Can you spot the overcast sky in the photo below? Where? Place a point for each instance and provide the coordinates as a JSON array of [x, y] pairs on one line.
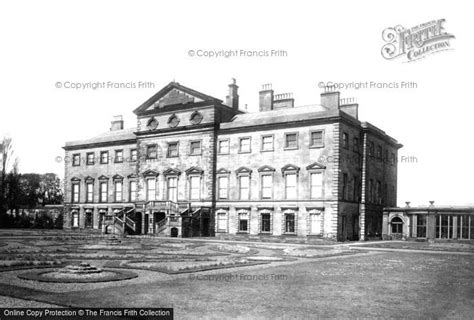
[[50, 42]]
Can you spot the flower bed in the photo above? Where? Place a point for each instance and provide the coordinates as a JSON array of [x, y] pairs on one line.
[[56, 275]]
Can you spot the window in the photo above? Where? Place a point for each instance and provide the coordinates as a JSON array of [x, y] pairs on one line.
[[223, 147], [356, 144], [90, 158], [118, 191], [316, 185], [267, 186], [392, 158], [371, 191], [315, 222], [75, 192], [316, 139], [89, 192], [196, 117], [267, 143], [133, 191], [173, 121], [151, 151], [463, 227], [265, 222], [195, 147], [397, 226], [244, 145], [290, 186], [289, 223], [150, 189], [221, 222], [194, 188], [75, 219], [173, 189], [172, 149], [223, 185], [378, 192], [104, 157], [88, 218], [244, 187], [344, 186], [76, 159], [345, 140], [371, 149], [355, 188], [385, 156], [243, 222], [152, 123], [103, 191], [118, 156], [133, 155], [421, 226], [291, 141], [379, 152]]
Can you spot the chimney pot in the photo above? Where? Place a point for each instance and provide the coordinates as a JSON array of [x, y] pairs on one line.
[[232, 100], [117, 123]]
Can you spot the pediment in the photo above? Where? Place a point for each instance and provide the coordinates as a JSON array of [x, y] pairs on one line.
[[174, 94], [117, 177], [315, 166], [290, 167], [150, 172], [266, 169], [89, 179], [75, 179], [222, 171], [102, 177], [243, 170], [194, 170], [172, 172]]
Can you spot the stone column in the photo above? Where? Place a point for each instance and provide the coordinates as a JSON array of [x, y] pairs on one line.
[[431, 226]]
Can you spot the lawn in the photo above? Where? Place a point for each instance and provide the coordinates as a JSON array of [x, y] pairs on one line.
[[295, 282]]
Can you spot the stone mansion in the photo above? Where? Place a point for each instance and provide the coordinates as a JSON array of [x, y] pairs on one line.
[[195, 165]]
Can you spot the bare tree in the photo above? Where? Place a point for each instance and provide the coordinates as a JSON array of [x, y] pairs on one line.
[[6, 155]]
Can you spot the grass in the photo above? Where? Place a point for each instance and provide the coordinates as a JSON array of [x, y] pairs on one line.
[[372, 285], [382, 285]]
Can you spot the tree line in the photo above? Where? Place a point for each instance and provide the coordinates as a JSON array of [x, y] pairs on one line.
[[20, 191]]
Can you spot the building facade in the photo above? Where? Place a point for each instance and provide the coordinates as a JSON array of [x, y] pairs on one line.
[[196, 166], [429, 222]]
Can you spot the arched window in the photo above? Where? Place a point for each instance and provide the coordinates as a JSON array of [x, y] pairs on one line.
[[397, 225]]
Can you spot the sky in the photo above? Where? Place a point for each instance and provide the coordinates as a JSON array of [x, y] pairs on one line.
[[54, 53]]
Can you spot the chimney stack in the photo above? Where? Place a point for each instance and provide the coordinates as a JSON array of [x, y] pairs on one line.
[[330, 98], [266, 98], [232, 100], [117, 123]]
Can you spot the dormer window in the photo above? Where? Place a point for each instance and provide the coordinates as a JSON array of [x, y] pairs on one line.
[[152, 124]]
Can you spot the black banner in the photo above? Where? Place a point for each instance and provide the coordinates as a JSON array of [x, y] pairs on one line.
[[86, 313]]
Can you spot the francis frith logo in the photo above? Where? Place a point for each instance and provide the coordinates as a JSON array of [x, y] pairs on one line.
[[411, 44]]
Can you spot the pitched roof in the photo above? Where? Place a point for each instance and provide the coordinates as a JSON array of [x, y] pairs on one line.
[[106, 137], [279, 116]]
